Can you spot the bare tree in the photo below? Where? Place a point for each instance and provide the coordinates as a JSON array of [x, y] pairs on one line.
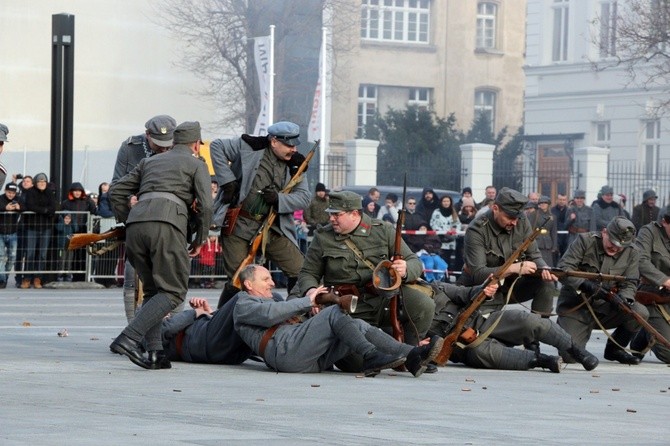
[[218, 37], [635, 35]]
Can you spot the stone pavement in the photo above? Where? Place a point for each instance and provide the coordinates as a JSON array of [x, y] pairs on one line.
[[71, 390]]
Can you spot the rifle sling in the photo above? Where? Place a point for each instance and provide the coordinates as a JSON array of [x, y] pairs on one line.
[[664, 312], [350, 243]]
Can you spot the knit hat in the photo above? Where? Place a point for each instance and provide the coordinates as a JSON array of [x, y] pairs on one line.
[[320, 187]]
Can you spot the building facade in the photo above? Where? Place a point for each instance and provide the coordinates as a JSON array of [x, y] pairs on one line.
[[570, 107], [462, 57]]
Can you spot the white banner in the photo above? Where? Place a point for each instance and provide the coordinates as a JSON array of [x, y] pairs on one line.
[[314, 129], [262, 60]]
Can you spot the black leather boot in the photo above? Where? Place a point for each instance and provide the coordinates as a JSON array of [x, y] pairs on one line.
[[552, 363], [615, 353], [123, 345], [419, 358], [378, 361], [586, 359], [159, 360]]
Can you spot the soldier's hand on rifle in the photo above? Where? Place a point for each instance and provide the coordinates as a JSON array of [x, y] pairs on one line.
[[270, 196], [400, 265], [228, 192], [312, 293], [589, 287], [194, 249]]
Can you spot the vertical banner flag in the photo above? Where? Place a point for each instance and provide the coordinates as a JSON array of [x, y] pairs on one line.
[[314, 129], [262, 60]]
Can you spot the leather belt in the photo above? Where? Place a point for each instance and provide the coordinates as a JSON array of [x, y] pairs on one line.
[[255, 217], [179, 342], [573, 230], [266, 338], [167, 195]]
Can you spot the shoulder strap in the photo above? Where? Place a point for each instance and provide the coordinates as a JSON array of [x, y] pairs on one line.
[[350, 243]]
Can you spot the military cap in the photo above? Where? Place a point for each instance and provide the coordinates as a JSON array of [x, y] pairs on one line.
[[511, 202], [579, 194], [12, 187], [286, 132], [4, 131], [621, 232], [544, 199], [161, 130], [344, 201], [187, 132], [649, 194], [606, 190]]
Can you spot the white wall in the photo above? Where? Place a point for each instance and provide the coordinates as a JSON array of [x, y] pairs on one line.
[[124, 74]]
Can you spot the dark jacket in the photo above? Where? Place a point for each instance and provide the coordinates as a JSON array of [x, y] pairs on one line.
[[79, 207], [9, 220], [43, 203]]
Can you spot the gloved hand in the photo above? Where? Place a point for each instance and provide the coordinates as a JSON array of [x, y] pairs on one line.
[[270, 196], [589, 287], [294, 163], [229, 190]]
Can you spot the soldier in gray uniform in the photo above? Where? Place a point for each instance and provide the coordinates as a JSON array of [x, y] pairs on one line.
[[156, 139], [491, 239], [251, 170], [653, 244], [170, 187], [331, 259], [546, 243], [509, 328], [579, 216], [204, 336], [608, 252], [265, 322], [605, 209]]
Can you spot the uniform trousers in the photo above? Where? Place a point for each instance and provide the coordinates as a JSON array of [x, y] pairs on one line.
[[658, 321], [158, 252]]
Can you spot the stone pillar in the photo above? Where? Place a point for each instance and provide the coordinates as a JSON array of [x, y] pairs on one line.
[[361, 162], [591, 165], [477, 168]]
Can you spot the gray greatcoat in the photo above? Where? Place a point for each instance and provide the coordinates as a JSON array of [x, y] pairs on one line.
[[235, 160], [132, 151], [653, 244], [581, 223]]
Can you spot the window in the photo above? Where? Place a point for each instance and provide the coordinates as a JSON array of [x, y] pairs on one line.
[[395, 20], [602, 134], [559, 51], [651, 144], [486, 25], [367, 107], [485, 103], [419, 97], [608, 23]]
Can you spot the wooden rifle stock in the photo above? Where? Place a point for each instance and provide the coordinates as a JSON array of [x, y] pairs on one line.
[[646, 297], [269, 220], [396, 326], [76, 241], [624, 306], [462, 318]]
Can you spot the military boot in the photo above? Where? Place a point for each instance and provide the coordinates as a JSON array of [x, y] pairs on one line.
[[378, 361], [586, 359], [159, 360], [615, 353], [419, 358], [640, 343], [552, 363]]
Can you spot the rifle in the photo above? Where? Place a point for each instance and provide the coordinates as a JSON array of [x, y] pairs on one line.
[[394, 310], [649, 296], [457, 329], [76, 241], [598, 277], [625, 306], [269, 220]]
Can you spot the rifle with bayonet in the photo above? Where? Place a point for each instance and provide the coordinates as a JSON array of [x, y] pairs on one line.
[[255, 243], [458, 326]]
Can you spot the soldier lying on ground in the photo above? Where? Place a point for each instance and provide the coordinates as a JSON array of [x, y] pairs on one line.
[[262, 320]]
